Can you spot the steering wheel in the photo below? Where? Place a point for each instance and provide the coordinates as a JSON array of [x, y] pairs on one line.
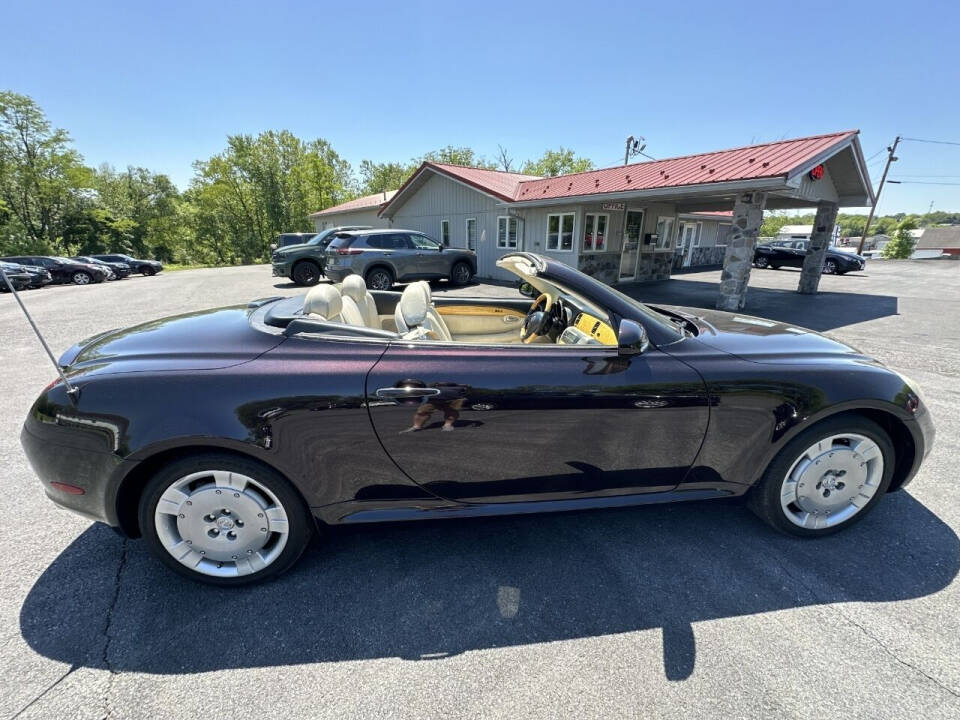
[[537, 320]]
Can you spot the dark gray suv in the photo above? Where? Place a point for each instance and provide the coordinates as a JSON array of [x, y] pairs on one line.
[[385, 257]]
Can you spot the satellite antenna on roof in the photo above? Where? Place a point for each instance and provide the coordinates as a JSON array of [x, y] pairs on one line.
[[635, 146], [71, 389]]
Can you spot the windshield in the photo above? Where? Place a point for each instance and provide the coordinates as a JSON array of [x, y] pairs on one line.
[[318, 239]]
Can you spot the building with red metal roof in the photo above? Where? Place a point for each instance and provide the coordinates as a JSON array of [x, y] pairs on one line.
[[630, 222]]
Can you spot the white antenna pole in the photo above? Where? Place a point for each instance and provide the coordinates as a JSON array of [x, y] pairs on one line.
[[71, 389]]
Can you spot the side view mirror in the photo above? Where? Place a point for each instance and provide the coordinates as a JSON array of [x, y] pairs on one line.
[[632, 338], [527, 289]]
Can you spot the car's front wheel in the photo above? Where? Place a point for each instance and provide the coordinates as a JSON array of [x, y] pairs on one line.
[[81, 278], [223, 519], [306, 272], [762, 262], [148, 271], [826, 478], [830, 267]]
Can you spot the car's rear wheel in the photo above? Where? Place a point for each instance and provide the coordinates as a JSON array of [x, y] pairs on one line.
[[81, 278], [830, 267], [827, 478], [379, 278], [306, 272], [762, 262], [224, 520], [461, 273]]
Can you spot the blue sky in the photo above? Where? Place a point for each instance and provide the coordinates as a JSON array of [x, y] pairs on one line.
[[162, 84]]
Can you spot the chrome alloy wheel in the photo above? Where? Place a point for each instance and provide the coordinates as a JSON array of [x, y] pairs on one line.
[[832, 481], [221, 523]]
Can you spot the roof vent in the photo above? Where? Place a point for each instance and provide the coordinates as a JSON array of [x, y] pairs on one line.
[[710, 171], [596, 182], [570, 186], [766, 164], [666, 177], [628, 178], [752, 160], [703, 167]]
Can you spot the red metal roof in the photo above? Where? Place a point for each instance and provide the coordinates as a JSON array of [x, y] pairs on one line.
[[360, 203], [747, 163], [496, 182]]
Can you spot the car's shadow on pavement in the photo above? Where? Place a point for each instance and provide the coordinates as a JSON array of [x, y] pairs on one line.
[[430, 590]]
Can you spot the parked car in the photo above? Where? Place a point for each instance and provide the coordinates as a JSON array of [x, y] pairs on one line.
[[17, 276], [64, 270], [118, 270], [304, 263], [292, 238], [791, 253], [385, 257], [144, 267], [39, 277], [222, 436]]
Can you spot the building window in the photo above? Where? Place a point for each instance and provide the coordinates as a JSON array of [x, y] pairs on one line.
[[664, 233], [595, 232], [507, 232], [560, 232], [471, 234], [445, 232]]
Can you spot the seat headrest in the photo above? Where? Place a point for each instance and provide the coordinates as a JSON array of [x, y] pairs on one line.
[[323, 300], [415, 302], [354, 287]]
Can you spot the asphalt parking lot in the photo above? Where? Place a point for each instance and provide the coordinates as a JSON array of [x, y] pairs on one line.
[[670, 611]]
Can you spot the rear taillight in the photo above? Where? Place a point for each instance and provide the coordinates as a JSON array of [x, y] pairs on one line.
[[348, 251]]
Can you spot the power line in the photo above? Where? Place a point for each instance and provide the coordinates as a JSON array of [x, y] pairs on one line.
[[920, 182], [909, 175], [875, 154], [935, 142]]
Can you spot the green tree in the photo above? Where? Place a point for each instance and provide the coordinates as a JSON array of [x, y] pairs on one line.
[[383, 177], [557, 162], [41, 176], [451, 155], [901, 244], [261, 186]]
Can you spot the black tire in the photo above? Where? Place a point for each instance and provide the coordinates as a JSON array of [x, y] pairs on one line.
[[379, 278], [148, 271], [81, 278], [764, 497], [830, 267], [301, 524], [305, 272], [762, 262], [774, 267], [460, 273]]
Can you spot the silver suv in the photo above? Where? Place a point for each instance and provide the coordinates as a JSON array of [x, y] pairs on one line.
[[385, 257]]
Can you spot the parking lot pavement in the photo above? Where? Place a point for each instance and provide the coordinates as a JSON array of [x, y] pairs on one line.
[[670, 611]]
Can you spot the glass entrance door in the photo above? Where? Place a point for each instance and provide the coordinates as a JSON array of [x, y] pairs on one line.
[[630, 251]]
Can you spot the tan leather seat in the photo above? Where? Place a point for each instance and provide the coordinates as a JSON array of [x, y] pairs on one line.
[[324, 301], [359, 307], [417, 318]]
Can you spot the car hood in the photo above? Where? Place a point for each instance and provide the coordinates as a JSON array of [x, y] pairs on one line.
[[297, 247], [202, 340], [766, 341]]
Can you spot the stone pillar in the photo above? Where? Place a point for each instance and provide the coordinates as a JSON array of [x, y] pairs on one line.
[[817, 249], [738, 260]]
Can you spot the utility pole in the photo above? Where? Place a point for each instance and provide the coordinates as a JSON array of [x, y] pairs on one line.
[[890, 159], [631, 143]]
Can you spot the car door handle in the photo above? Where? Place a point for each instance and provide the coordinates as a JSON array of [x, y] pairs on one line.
[[406, 392]]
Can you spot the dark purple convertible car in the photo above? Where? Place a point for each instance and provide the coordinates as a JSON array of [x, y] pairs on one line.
[[223, 437]]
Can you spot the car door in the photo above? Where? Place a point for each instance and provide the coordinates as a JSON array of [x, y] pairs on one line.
[[430, 260], [538, 421]]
